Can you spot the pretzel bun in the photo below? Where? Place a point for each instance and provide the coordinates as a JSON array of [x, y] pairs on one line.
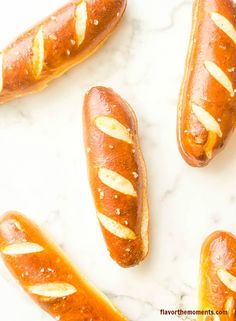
[[206, 111], [56, 44], [217, 291], [47, 276], [117, 175]]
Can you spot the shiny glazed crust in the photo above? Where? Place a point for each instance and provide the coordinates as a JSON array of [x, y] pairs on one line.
[[206, 111], [217, 291], [55, 45], [117, 174], [48, 276]]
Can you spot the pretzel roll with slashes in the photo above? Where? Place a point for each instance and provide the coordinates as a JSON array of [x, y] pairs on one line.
[[217, 291], [48, 276], [117, 175], [56, 44], [207, 104]]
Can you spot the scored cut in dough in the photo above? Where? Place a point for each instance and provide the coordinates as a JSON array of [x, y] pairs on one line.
[[38, 53], [116, 228], [227, 279], [116, 182], [113, 128], [81, 21], [219, 75], [207, 120], [22, 248], [53, 290], [224, 24]]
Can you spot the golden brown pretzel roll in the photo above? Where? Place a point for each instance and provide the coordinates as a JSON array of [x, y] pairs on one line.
[[207, 104], [48, 276], [56, 44], [117, 175], [217, 291]]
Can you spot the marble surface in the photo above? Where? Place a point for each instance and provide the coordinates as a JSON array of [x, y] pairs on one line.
[[43, 171]]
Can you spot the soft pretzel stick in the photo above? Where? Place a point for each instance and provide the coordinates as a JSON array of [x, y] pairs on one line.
[[217, 291], [48, 276], [117, 175], [207, 104], [56, 44]]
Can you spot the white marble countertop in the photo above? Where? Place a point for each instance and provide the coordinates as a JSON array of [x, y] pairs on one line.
[[43, 170]]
